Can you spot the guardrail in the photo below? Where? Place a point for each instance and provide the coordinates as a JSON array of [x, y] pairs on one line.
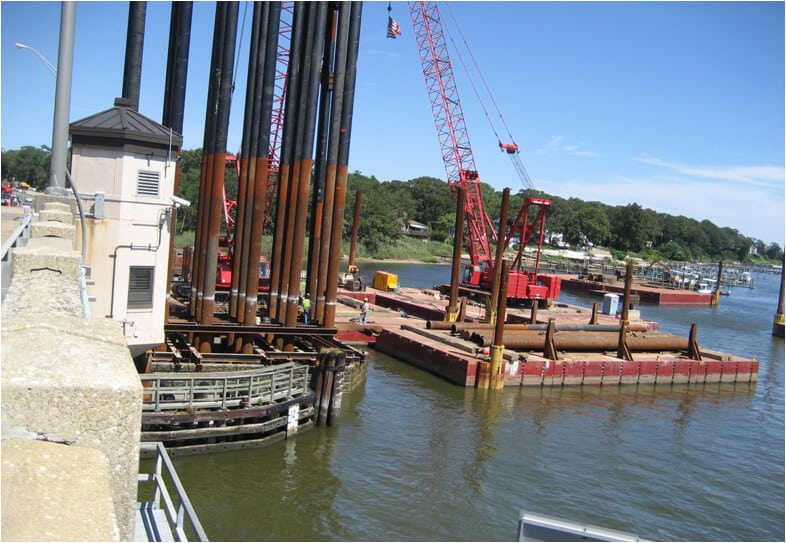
[[20, 231], [223, 390], [177, 518]]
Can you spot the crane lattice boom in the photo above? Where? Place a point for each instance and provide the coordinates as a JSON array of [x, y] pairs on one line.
[[451, 128]]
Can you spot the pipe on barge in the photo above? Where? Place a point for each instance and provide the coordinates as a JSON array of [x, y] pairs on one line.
[[583, 368], [584, 341]]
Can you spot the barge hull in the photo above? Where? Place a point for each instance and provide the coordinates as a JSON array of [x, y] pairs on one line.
[[575, 369]]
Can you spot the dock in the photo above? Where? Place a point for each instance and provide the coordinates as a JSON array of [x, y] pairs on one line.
[[408, 326]]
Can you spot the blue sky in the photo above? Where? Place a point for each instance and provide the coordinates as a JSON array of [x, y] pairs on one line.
[[676, 106]]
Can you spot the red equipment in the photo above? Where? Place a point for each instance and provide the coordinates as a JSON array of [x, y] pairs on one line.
[[224, 267], [461, 172]]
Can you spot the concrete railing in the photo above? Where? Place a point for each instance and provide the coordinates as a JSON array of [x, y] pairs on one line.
[[71, 400]]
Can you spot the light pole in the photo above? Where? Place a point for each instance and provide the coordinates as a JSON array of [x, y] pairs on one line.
[[57, 165], [40, 56]]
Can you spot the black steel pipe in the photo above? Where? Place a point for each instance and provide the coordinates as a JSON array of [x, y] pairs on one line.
[[331, 159], [237, 289], [197, 291], [310, 81], [501, 244], [279, 272], [320, 163], [177, 65], [135, 41], [260, 180], [215, 202], [455, 270], [345, 132]]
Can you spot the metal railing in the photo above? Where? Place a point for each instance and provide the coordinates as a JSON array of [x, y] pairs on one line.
[[19, 237], [177, 514], [223, 390]]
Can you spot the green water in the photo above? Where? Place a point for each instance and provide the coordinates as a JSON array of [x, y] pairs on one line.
[[417, 459]]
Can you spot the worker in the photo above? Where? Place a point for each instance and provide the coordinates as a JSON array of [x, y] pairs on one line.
[[307, 308], [364, 311]]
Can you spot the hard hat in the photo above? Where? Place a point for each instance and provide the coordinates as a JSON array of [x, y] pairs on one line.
[[365, 299], [308, 295]]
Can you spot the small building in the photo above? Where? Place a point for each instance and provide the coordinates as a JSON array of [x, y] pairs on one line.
[[416, 229], [123, 165]]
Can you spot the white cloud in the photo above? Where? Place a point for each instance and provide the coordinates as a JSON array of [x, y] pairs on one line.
[[763, 176], [752, 211]]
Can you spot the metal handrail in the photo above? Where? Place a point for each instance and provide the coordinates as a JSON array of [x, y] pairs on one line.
[[18, 232], [223, 390], [177, 508]]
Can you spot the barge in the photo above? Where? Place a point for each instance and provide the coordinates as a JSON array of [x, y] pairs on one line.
[[583, 347]]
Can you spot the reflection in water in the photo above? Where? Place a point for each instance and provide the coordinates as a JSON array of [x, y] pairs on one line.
[[416, 458]]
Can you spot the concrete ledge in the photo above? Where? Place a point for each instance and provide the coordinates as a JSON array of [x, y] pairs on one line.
[[45, 292], [47, 253], [59, 206], [55, 214], [75, 378], [52, 229], [55, 492]]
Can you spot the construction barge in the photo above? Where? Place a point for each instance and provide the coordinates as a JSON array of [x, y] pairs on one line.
[[564, 345]]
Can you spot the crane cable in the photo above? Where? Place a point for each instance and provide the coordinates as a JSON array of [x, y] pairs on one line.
[[512, 149], [480, 74]]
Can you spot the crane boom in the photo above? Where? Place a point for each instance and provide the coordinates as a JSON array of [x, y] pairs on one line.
[[461, 171], [451, 128]]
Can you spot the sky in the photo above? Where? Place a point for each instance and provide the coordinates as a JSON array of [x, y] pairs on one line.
[[675, 106]]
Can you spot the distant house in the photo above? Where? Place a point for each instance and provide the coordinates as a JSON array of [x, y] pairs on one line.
[[416, 229]]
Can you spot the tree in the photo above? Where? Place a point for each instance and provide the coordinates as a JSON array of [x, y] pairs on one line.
[[432, 199], [190, 172], [28, 164], [774, 251], [594, 224], [633, 227]]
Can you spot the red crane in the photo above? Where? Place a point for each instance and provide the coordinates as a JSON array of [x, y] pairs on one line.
[[461, 171]]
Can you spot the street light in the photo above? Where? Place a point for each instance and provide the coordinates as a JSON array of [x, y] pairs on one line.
[[40, 56]]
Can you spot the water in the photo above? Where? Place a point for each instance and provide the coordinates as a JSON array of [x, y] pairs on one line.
[[418, 459]]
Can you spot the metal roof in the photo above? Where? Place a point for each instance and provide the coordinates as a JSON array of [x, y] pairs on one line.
[[123, 124]]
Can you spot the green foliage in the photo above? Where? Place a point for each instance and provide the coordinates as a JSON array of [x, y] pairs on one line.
[[387, 206], [28, 164]]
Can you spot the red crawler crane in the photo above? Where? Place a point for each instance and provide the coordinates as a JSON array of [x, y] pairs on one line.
[[461, 172]]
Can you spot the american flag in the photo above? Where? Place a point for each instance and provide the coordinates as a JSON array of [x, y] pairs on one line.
[[393, 28]]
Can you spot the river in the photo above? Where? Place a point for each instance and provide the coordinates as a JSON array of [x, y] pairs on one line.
[[418, 459]]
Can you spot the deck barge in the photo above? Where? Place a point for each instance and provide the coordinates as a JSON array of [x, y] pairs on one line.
[[399, 325], [645, 293]]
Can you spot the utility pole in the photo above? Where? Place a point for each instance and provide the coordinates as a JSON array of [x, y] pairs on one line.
[[65, 58]]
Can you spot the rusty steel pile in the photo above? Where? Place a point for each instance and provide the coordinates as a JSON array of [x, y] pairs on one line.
[[320, 87]]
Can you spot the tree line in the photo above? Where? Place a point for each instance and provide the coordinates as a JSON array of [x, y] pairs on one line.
[[388, 205]]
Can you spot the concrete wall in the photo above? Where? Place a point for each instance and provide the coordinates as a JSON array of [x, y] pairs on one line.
[[71, 401]]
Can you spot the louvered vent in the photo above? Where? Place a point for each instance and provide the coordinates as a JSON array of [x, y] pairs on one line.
[[147, 183]]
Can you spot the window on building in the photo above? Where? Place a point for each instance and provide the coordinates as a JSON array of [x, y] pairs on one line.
[[147, 183], [140, 287]]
